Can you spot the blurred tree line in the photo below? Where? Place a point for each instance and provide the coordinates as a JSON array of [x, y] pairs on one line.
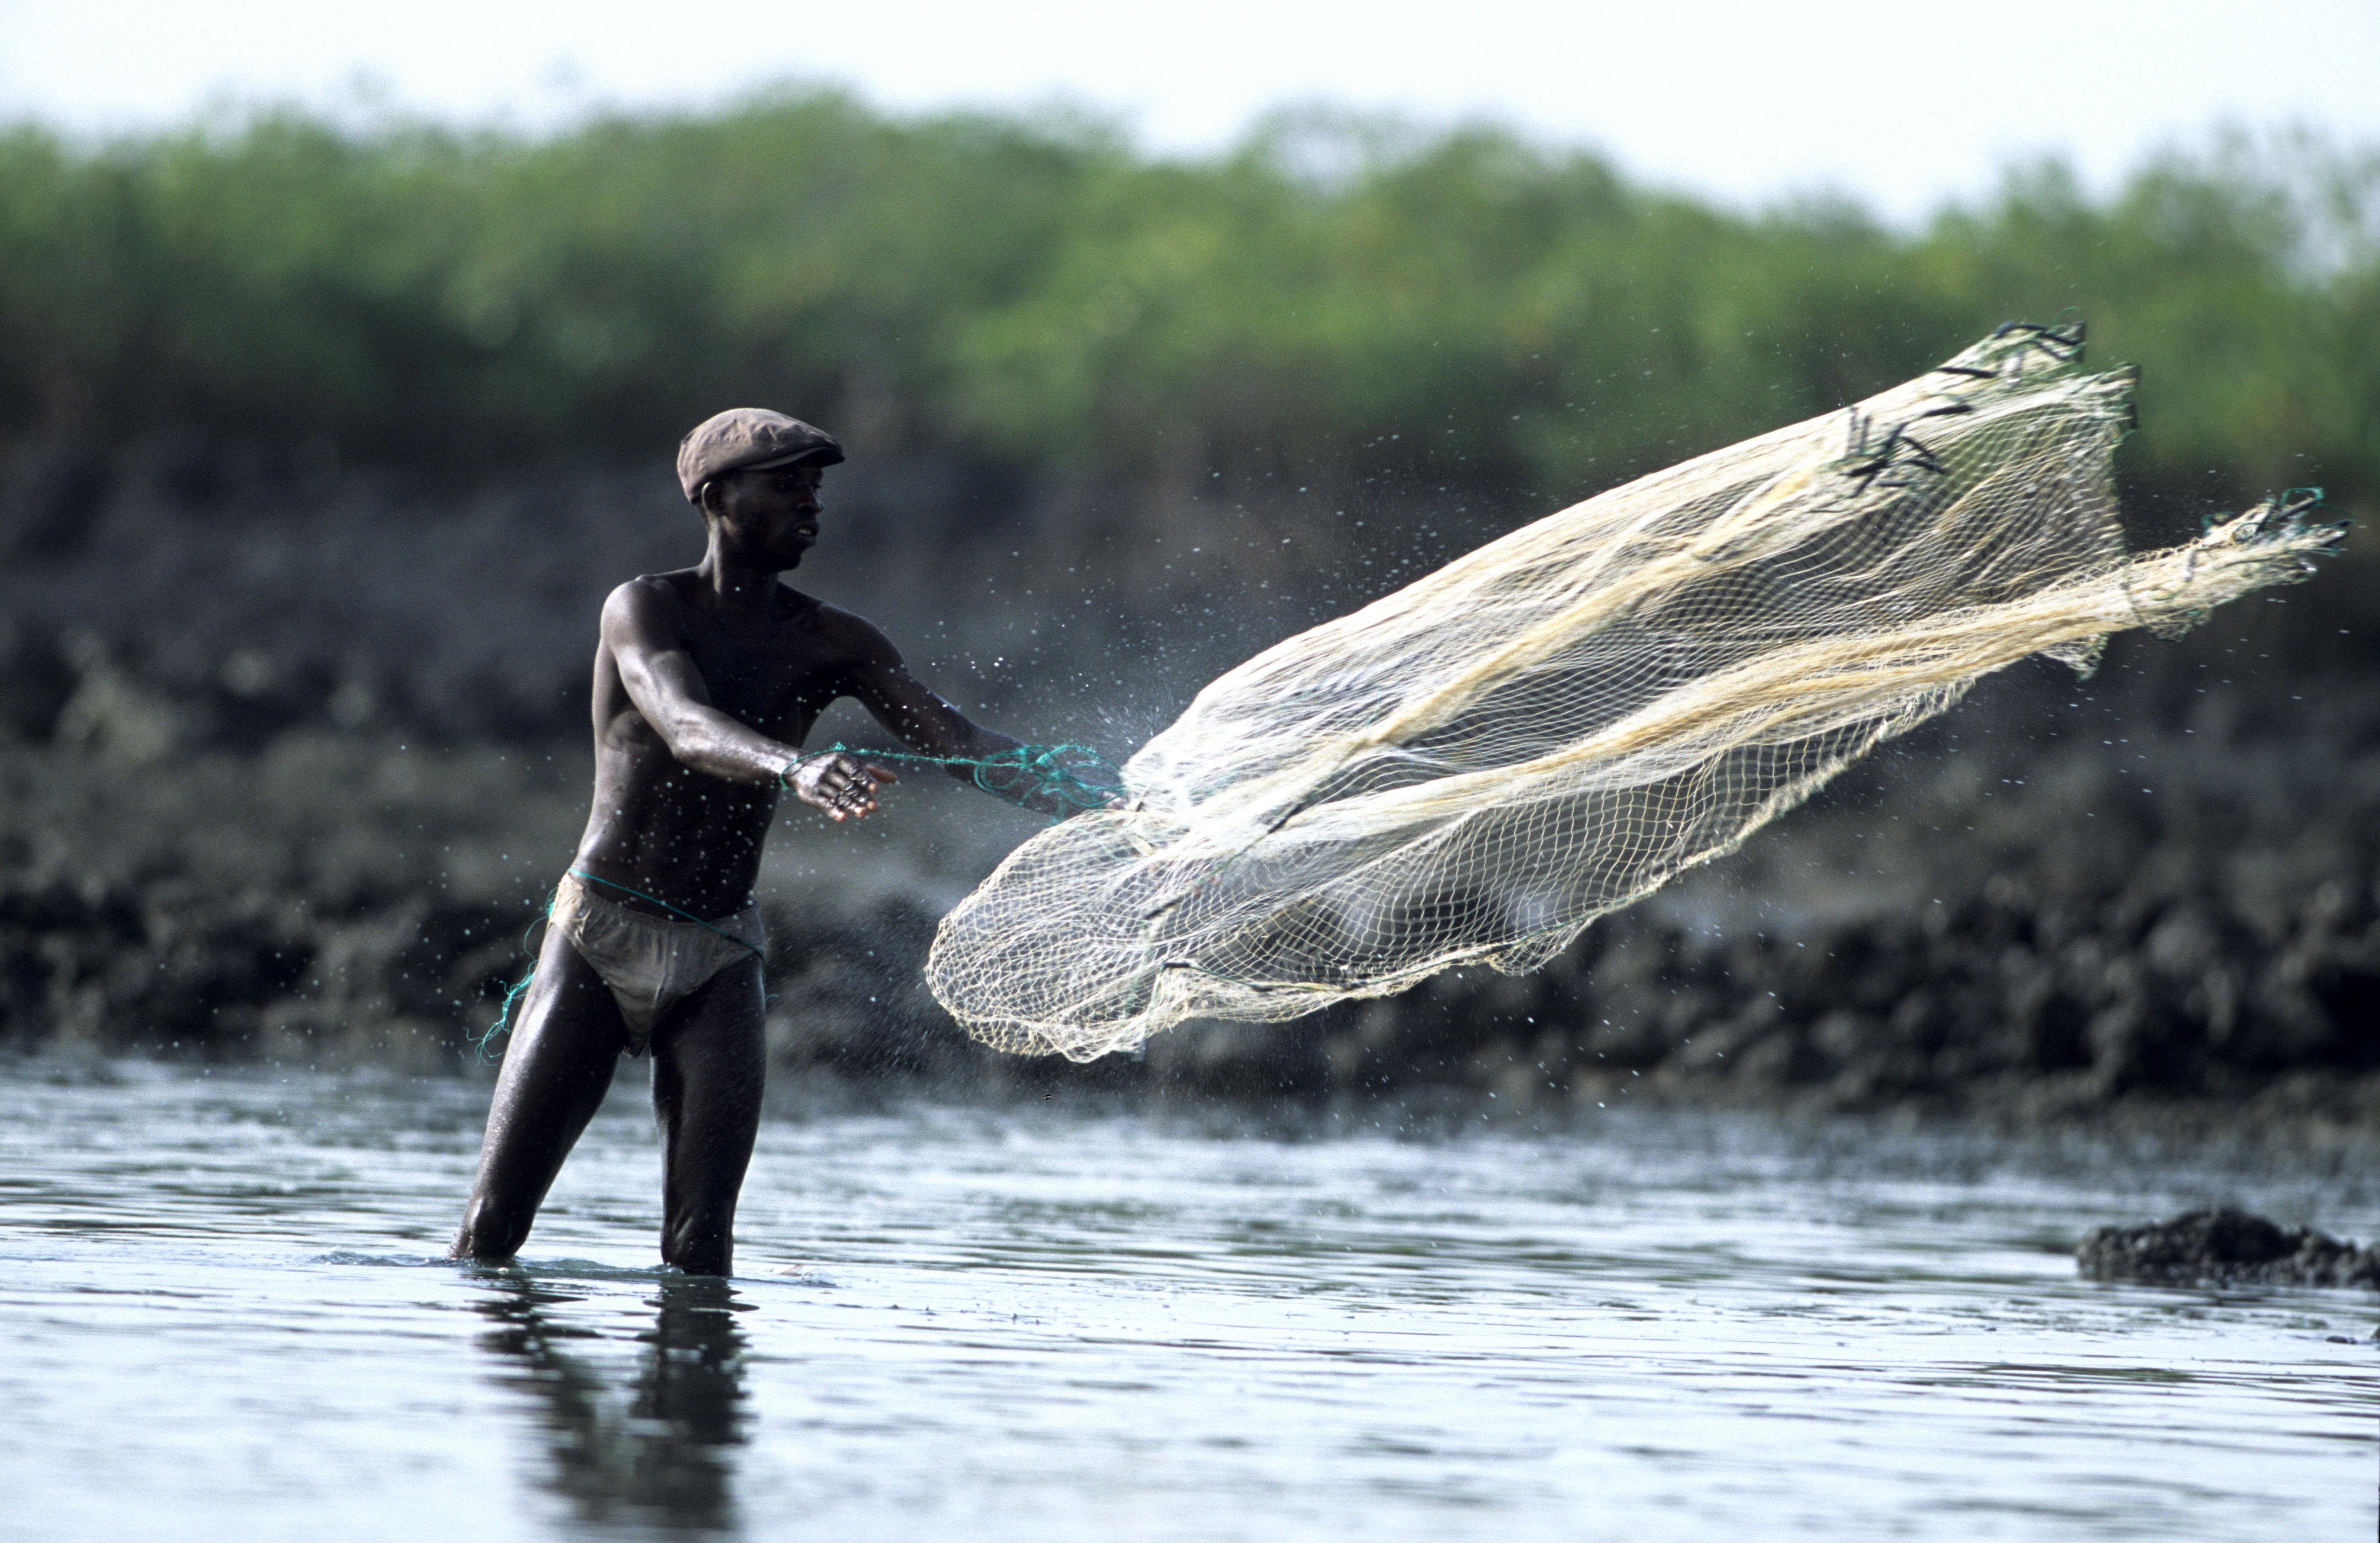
[[1335, 301]]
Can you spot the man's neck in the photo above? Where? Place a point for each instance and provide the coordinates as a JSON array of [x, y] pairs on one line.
[[732, 587]]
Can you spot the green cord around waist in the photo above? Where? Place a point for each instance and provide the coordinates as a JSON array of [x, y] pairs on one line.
[[652, 900], [513, 994]]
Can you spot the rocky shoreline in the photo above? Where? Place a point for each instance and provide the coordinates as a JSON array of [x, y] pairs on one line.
[[2004, 926], [311, 818]]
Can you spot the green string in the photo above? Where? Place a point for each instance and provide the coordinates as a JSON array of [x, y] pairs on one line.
[[481, 1042], [1057, 768], [687, 915]]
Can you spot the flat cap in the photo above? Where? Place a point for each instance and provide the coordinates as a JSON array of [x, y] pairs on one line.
[[745, 439]]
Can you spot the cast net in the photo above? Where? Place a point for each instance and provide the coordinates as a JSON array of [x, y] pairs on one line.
[[1475, 767]]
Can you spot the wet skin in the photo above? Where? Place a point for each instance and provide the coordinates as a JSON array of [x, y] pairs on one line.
[[706, 681]]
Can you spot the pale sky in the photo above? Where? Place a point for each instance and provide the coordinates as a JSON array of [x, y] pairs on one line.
[[1899, 103]]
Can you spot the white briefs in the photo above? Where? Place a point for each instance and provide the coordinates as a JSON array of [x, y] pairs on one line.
[[652, 963]]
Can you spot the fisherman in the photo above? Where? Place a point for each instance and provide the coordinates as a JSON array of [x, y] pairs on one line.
[[707, 680]]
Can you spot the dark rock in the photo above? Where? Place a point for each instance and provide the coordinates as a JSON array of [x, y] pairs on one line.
[[2225, 1247], [35, 682], [49, 497]]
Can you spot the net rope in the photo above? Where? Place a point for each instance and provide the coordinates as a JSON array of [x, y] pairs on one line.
[[1472, 769], [1060, 778]]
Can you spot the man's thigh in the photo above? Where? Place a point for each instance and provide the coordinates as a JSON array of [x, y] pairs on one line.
[[713, 1047], [710, 1062], [558, 1064]]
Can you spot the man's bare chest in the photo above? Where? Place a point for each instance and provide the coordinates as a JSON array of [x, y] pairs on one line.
[[766, 678]]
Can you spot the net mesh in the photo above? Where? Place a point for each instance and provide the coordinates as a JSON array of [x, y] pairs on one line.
[[1475, 767]]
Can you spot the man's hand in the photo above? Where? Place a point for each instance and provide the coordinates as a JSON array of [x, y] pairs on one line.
[[844, 786]]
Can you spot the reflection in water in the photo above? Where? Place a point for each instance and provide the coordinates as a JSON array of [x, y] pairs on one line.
[[665, 1458], [1017, 1327]]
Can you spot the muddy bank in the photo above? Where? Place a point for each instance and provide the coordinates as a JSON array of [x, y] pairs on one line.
[[2034, 925]]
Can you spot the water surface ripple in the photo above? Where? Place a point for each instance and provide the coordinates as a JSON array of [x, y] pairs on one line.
[[224, 1315]]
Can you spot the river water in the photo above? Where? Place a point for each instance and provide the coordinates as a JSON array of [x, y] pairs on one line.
[[222, 1315]]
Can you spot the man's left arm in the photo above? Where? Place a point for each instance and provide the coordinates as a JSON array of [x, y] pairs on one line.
[[929, 726]]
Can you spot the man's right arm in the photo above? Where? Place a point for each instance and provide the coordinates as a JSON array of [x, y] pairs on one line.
[[640, 629]]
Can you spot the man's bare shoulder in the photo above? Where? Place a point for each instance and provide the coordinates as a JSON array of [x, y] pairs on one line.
[[846, 632], [646, 607]]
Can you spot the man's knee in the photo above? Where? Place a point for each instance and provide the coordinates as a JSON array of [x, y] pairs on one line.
[[701, 1243], [494, 1230]]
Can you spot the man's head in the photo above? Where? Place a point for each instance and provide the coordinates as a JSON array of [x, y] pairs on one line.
[[754, 473], [748, 438], [767, 516]]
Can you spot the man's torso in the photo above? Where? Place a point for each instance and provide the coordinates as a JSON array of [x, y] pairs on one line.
[[693, 838]]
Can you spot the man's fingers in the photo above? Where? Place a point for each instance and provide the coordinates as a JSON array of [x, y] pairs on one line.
[[843, 787], [847, 771]]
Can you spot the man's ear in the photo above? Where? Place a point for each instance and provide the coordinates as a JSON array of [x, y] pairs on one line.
[[707, 499]]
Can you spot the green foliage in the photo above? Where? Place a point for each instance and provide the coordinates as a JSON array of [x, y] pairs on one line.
[[1331, 302]]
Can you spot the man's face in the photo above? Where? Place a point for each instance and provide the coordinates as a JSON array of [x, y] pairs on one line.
[[769, 518]]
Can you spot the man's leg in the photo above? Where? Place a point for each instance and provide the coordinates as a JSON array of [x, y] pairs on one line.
[[709, 1058], [564, 1046]]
